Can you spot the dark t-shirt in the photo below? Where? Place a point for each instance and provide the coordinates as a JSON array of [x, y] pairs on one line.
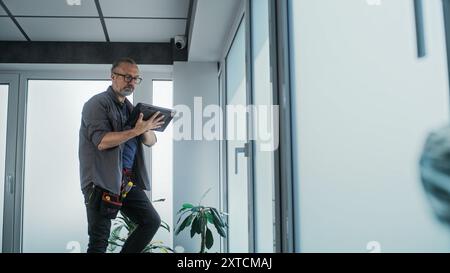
[[129, 150]]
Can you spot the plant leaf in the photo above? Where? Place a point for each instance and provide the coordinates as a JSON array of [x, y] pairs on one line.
[[199, 223], [203, 222], [165, 249], [209, 217], [121, 220], [165, 226], [114, 243], [217, 217], [114, 237], [185, 223], [182, 209], [209, 239], [181, 216], [194, 227], [128, 223], [147, 249], [219, 225], [187, 205], [116, 231], [221, 231], [197, 208]]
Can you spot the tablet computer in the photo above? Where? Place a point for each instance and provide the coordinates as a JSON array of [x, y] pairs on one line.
[[148, 111]]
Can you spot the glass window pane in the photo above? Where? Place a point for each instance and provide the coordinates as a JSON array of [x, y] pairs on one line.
[[3, 120], [162, 163], [236, 134], [54, 213], [363, 104], [264, 133]]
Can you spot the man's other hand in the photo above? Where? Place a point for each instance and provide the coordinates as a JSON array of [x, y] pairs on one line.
[[155, 121]]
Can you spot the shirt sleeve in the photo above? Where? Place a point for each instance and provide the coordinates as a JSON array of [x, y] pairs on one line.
[[141, 139], [96, 120]]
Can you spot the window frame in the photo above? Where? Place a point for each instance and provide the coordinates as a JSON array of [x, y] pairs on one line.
[[55, 72]]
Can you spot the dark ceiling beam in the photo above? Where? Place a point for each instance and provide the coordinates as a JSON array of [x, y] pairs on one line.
[[190, 20], [14, 20], [89, 52], [102, 20]]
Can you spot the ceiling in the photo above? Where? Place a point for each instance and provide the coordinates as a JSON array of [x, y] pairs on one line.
[[152, 21], [211, 24]]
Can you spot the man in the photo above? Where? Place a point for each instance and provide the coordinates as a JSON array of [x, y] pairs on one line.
[[111, 156]]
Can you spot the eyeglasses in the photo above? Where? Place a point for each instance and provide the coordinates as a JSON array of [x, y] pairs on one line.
[[128, 78]]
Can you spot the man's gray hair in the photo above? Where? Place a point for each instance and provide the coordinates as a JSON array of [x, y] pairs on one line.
[[121, 61]]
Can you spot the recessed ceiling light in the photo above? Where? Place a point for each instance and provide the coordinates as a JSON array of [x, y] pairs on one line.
[[73, 2]]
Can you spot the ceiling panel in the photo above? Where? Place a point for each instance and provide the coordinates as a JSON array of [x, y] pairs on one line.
[[145, 8], [2, 11], [9, 31], [50, 8], [63, 29], [144, 30]]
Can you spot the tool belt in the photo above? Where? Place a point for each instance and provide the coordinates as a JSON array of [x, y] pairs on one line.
[[105, 202]]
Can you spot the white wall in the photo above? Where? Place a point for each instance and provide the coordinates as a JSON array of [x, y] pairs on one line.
[[363, 104], [196, 162]]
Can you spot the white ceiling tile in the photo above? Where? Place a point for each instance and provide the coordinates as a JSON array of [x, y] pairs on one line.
[[2, 11], [51, 8], [63, 29], [144, 30], [145, 8], [9, 30]]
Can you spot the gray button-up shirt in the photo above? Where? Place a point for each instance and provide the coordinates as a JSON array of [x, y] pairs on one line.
[[101, 114]]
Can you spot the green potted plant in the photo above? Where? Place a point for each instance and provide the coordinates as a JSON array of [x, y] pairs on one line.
[[122, 222], [199, 218]]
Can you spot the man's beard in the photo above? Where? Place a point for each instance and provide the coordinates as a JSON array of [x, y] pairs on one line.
[[127, 91]]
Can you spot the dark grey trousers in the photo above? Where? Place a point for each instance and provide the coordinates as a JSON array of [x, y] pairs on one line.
[[135, 206]]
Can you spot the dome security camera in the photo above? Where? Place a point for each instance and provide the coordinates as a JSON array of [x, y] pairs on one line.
[[73, 2], [180, 42]]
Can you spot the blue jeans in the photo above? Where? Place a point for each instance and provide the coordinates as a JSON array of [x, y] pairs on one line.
[[135, 206]]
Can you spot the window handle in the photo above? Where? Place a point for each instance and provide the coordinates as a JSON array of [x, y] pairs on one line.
[[237, 151], [10, 183]]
